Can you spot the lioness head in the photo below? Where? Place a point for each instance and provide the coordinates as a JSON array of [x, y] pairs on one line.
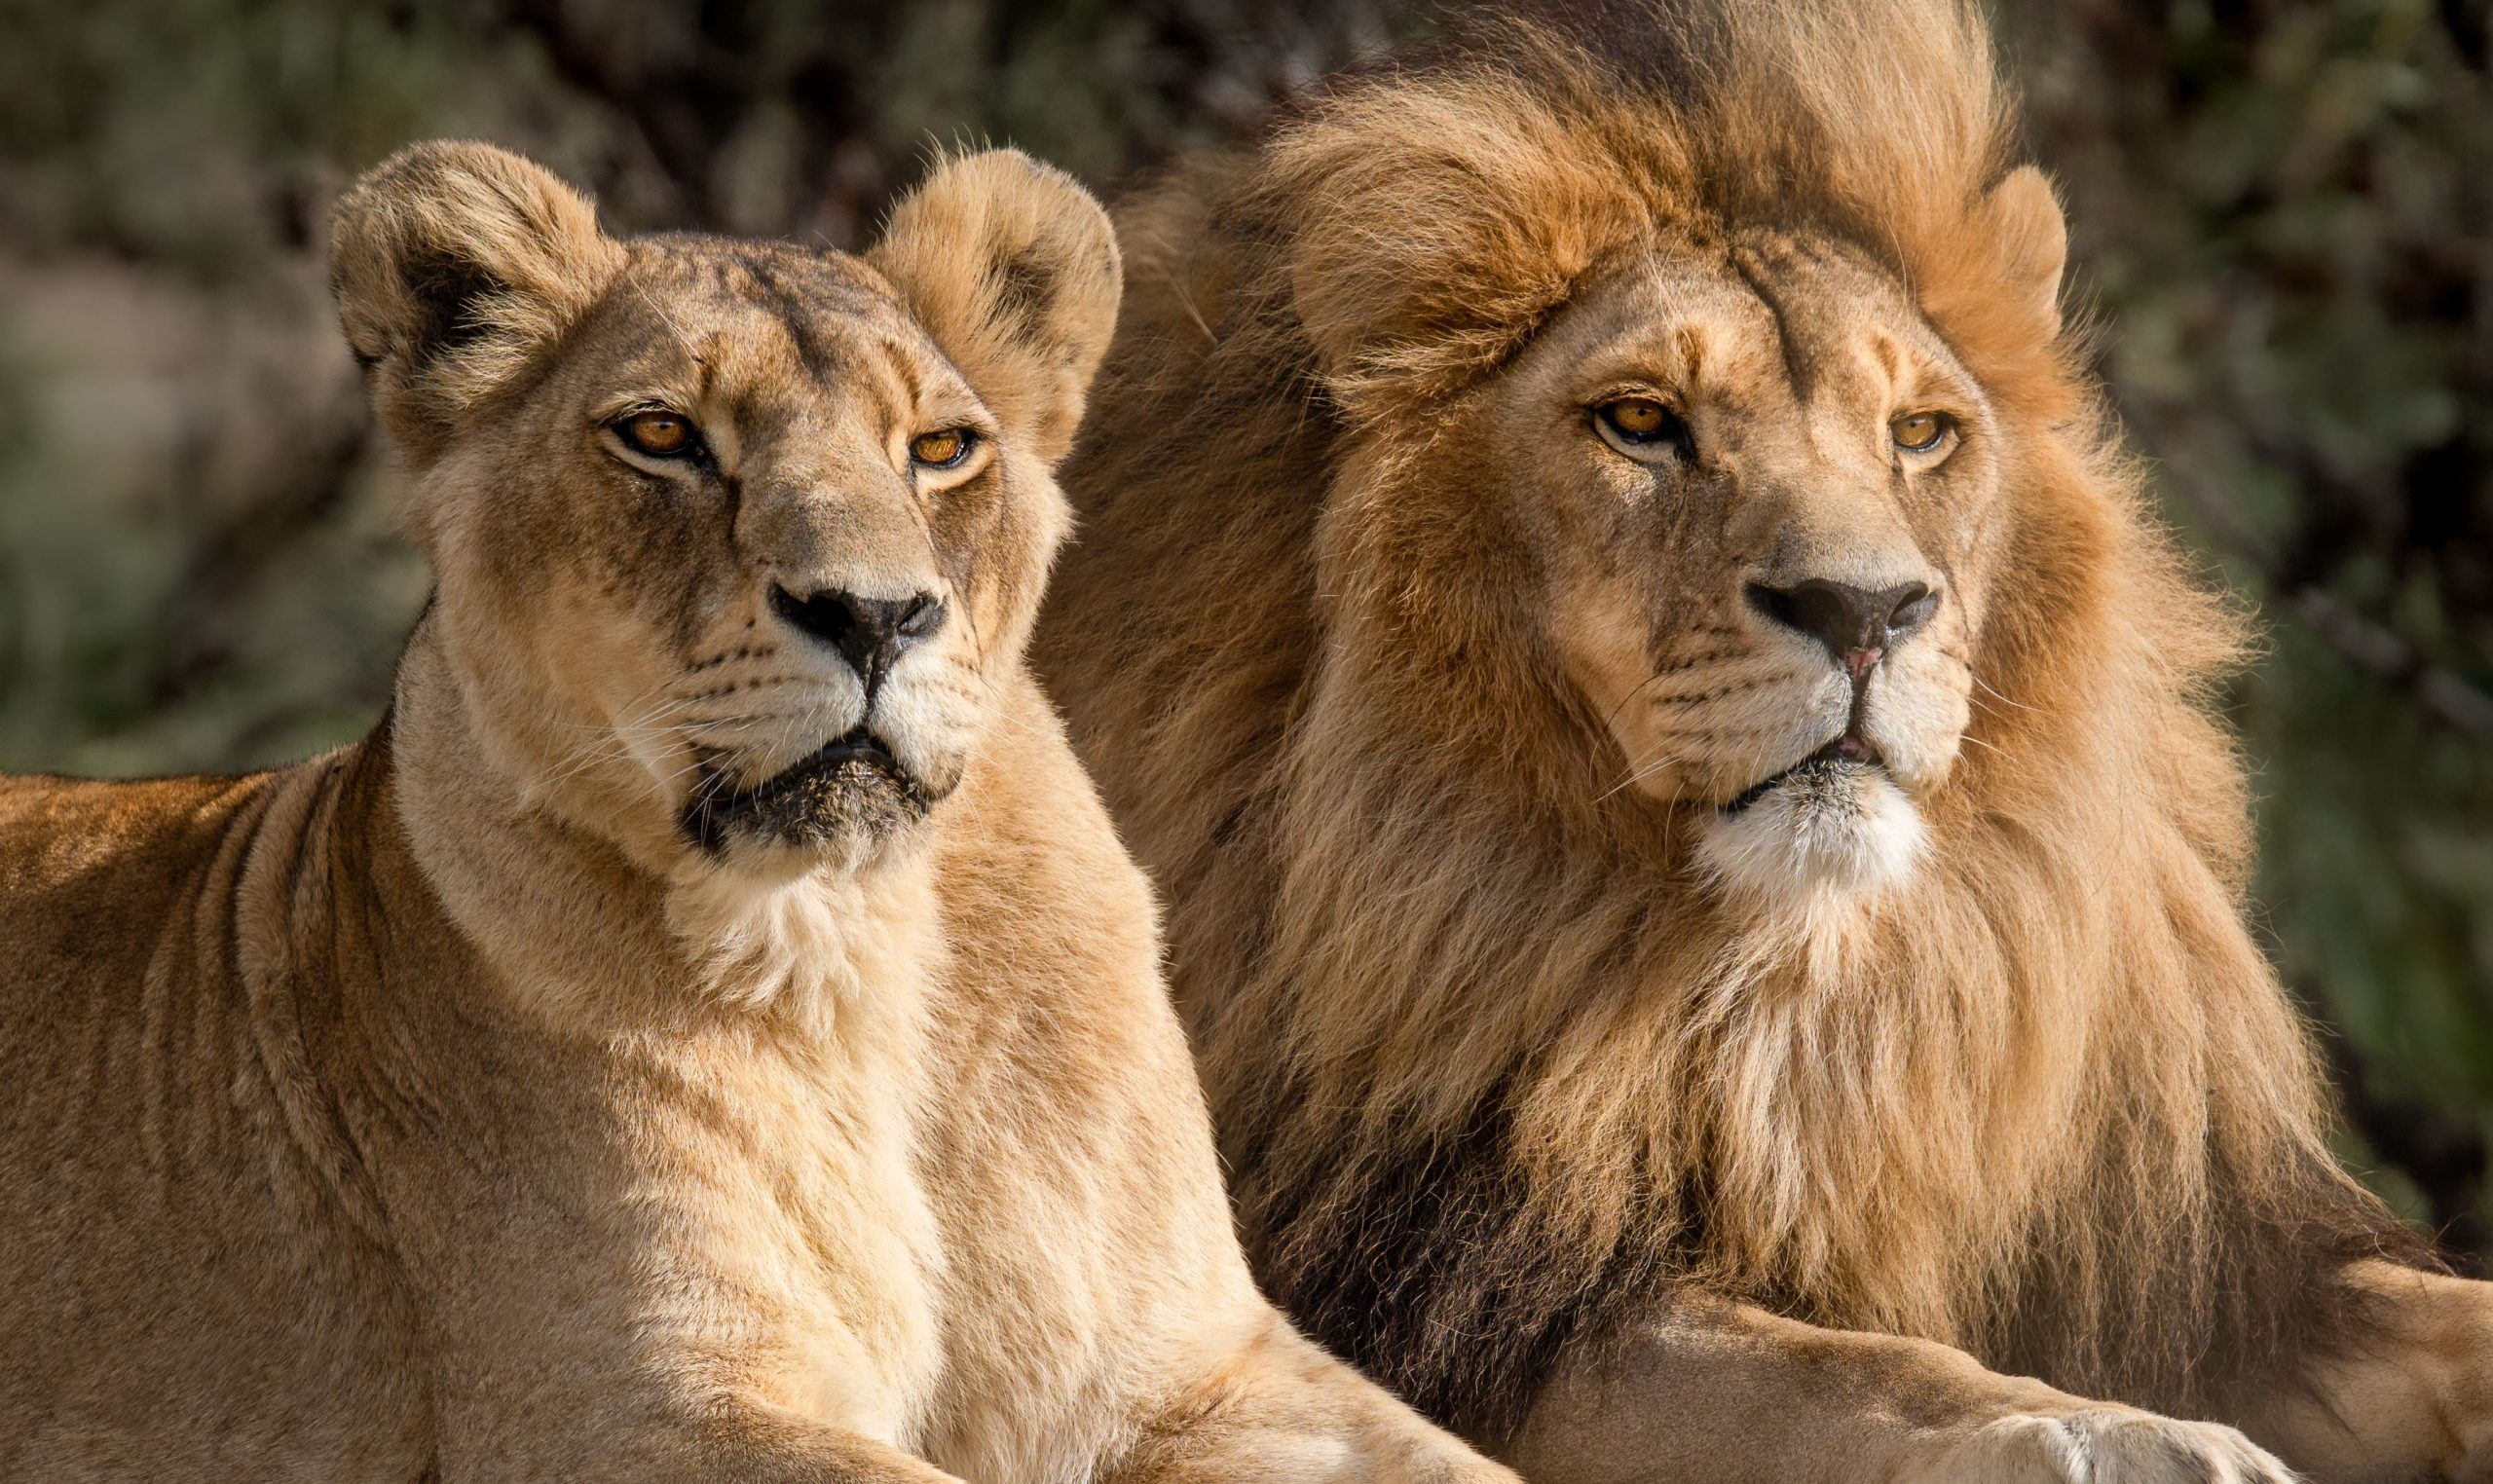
[[728, 537]]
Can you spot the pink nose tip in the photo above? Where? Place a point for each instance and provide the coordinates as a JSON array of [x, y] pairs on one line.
[[1860, 662]]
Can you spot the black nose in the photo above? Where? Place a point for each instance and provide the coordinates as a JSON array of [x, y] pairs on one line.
[[870, 632], [1857, 625]]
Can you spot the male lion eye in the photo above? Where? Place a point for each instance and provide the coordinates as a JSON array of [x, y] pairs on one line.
[[941, 450], [1919, 432], [1640, 421], [658, 435]]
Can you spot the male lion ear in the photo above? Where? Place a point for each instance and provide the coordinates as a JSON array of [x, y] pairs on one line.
[[1012, 267], [455, 264], [2024, 223]]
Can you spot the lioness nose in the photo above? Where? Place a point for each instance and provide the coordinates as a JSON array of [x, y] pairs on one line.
[[870, 632], [1858, 625]]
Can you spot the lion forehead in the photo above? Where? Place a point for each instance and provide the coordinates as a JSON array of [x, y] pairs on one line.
[[758, 325]]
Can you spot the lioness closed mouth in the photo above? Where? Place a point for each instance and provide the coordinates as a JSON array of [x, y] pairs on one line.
[[852, 783]]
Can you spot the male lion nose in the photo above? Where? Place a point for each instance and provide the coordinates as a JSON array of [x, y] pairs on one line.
[[1858, 625], [870, 632]]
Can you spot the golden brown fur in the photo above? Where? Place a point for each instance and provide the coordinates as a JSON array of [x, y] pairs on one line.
[[683, 1041], [1556, 1077]]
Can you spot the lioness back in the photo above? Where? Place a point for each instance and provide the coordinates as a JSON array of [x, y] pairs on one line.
[[709, 1030], [113, 844]]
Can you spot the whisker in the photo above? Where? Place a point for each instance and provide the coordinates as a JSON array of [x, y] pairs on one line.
[[1976, 678], [1637, 771], [1608, 721], [986, 706], [638, 719]]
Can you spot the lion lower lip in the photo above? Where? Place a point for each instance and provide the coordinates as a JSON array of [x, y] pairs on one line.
[[792, 801], [858, 745], [1848, 751]]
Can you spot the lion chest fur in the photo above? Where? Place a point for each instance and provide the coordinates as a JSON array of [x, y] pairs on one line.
[[950, 1188], [274, 1133], [785, 1169], [928, 1200]]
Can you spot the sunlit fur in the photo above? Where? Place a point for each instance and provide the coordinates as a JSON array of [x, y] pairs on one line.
[[485, 1100], [1506, 1053], [1835, 836]]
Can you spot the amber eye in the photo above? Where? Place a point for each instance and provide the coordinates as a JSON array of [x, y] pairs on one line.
[[1919, 432], [1640, 421], [658, 435], [941, 450]]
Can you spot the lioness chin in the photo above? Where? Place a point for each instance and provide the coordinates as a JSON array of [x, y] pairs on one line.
[[708, 1030], [1706, 890]]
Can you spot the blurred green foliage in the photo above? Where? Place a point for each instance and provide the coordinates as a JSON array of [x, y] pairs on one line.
[[2283, 216]]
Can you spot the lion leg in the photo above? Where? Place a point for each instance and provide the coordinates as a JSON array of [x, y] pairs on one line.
[[1722, 1392], [2413, 1400], [494, 1425], [517, 1434], [1282, 1411], [550, 1359], [754, 1443]]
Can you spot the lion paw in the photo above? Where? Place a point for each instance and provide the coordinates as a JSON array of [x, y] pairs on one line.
[[2104, 1445]]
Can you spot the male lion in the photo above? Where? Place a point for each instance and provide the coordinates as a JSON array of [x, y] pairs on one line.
[[709, 1030], [1707, 894]]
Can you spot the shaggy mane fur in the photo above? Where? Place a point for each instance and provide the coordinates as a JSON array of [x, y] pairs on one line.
[[1495, 1071]]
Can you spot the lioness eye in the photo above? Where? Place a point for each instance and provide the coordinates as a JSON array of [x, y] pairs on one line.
[[1640, 421], [941, 450], [658, 435], [1919, 432]]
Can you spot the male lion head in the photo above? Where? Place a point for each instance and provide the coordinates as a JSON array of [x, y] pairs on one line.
[[729, 537], [1759, 496], [1741, 470]]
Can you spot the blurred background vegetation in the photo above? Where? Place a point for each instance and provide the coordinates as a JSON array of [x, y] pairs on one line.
[[2283, 216]]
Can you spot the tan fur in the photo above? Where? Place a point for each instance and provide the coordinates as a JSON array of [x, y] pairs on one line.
[[1551, 1069], [538, 1089]]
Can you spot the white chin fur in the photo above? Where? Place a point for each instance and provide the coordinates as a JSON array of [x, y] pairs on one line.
[[1849, 829], [820, 937]]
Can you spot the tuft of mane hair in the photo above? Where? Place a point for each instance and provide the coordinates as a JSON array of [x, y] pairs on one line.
[[1495, 1065], [1436, 216]]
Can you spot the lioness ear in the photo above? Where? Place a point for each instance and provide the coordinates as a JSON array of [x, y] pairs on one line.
[[454, 265], [2024, 223], [1012, 267]]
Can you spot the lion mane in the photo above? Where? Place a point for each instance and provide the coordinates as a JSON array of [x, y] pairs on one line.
[[1495, 1069]]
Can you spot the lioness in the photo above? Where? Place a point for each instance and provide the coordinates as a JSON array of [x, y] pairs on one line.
[[1699, 871], [708, 1030]]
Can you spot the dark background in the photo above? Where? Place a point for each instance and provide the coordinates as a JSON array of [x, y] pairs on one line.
[[2282, 218]]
